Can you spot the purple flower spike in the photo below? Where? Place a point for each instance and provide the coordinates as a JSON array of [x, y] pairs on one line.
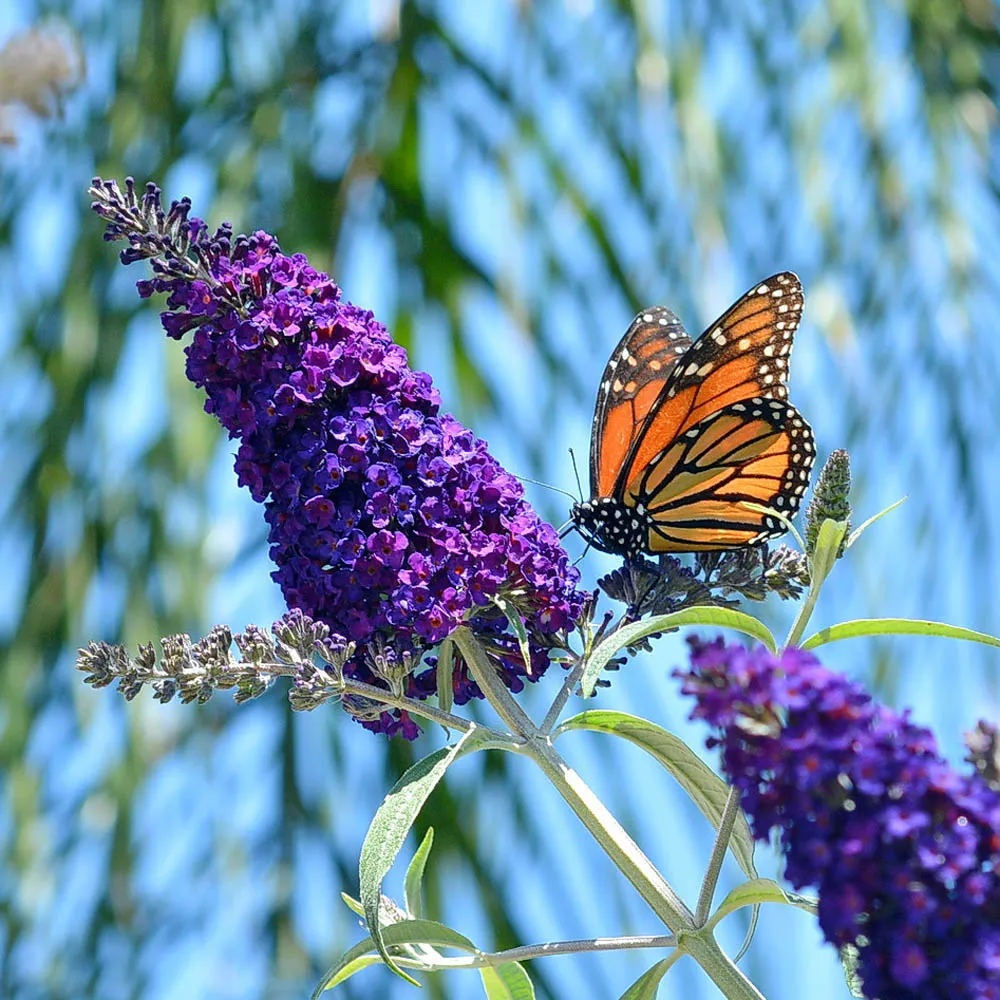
[[905, 851], [389, 521]]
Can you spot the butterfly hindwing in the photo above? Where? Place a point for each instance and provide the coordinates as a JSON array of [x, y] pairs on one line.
[[633, 380], [696, 492], [742, 355]]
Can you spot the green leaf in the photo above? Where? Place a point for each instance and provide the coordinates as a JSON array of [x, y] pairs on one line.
[[344, 969], [517, 624], [704, 787], [895, 626], [509, 981], [392, 823], [831, 536], [647, 985], [630, 634], [755, 892], [353, 904], [413, 884], [856, 534], [445, 675], [398, 935]]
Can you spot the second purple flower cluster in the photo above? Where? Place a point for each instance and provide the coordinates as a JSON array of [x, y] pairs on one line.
[[904, 850]]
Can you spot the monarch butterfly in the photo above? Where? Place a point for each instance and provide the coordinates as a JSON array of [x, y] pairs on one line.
[[686, 435]]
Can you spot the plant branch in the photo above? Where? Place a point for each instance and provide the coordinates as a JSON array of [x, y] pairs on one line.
[[722, 838], [569, 682]]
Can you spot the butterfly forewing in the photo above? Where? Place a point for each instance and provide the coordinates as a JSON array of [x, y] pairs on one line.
[[741, 356], [633, 381]]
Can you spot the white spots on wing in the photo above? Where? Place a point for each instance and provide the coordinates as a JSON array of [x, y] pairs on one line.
[[768, 379], [655, 365], [763, 290], [647, 318], [679, 350], [744, 344], [763, 370], [769, 351], [691, 369], [632, 361], [738, 408], [705, 369], [783, 308], [777, 293]]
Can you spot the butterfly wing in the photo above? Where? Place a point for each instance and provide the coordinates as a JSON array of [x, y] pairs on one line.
[[695, 493], [633, 381], [742, 356]]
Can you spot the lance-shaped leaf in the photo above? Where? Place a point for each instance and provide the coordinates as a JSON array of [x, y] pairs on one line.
[[856, 534], [895, 626], [646, 986], [509, 981], [413, 884], [406, 932], [392, 823], [605, 651], [827, 551], [517, 624], [704, 787], [757, 891], [445, 675]]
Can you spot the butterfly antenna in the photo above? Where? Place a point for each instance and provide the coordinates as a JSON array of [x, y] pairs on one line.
[[576, 472], [548, 486]]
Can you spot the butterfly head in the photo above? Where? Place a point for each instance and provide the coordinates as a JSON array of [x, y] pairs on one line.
[[612, 526]]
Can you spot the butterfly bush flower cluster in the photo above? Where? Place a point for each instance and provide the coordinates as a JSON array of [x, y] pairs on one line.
[[389, 521], [903, 849]]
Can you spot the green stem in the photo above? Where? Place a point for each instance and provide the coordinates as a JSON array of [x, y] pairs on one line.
[[559, 702], [418, 708], [722, 838], [491, 685], [492, 959], [802, 618]]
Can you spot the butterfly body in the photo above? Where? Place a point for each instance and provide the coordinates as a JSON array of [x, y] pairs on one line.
[[691, 439]]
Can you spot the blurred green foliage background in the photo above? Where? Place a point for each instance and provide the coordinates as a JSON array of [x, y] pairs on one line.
[[505, 184]]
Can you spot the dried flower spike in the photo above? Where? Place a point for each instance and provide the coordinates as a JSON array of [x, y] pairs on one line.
[[37, 68]]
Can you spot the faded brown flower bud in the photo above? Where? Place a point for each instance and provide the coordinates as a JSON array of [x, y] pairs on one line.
[[37, 68]]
